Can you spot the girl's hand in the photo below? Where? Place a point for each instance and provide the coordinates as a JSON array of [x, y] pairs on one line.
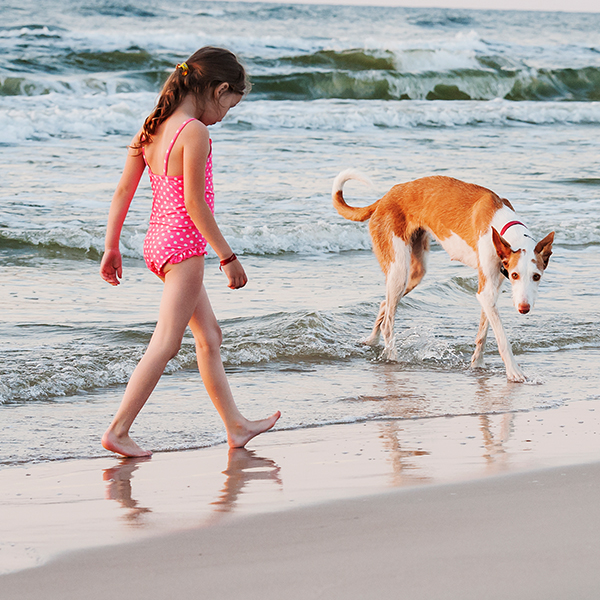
[[111, 267], [236, 275]]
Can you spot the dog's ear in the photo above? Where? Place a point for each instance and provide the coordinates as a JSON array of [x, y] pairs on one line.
[[544, 248], [502, 246]]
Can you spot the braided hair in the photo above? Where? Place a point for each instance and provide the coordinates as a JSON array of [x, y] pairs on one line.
[[202, 72]]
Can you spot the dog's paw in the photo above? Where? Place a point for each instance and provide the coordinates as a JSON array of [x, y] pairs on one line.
[[389, 354], [477, 362], [515, 375], [372, 340]]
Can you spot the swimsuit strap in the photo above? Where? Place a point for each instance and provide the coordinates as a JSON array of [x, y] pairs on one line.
[[168, 153]]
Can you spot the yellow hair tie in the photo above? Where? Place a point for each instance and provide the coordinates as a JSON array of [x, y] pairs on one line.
[[184, 68]]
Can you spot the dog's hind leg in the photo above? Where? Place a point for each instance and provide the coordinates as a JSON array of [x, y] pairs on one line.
[[419, 253], [374, 337], [418, 259], [477, 359], [395, 287]]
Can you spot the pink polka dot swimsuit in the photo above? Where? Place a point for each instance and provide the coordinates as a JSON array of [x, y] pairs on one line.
[[172, 236]]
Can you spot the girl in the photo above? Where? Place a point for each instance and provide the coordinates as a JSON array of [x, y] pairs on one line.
[[175, 145]]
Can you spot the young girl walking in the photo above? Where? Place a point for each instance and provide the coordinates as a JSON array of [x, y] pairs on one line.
[[175, 146]]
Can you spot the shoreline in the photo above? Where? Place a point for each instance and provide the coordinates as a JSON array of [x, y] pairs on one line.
[[50, 510], [521, 535]]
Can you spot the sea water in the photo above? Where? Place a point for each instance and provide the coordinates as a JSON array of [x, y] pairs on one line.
[[507, 100]]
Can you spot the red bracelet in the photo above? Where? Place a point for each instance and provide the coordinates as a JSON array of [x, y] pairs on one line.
[[226, 261]]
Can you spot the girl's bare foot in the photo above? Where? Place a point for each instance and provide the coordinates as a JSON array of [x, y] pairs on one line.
[[241, 434], [123, 445]]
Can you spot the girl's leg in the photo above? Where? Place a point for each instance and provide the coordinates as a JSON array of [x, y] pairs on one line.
[[183, 284], [207, 334]]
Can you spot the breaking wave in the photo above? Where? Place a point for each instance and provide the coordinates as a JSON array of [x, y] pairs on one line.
[[94, 117], [350, 74]]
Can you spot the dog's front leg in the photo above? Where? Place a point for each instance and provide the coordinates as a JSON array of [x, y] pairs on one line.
[[477, 359], [513, 371]]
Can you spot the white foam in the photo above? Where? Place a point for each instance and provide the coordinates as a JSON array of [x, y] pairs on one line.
[[307, 239], [352, 115], [56, 115], [433, 55]]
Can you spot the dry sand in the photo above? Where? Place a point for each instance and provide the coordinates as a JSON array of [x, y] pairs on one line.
[[502, 506]]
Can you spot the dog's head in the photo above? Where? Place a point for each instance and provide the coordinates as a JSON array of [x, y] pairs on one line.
[[524, 268]]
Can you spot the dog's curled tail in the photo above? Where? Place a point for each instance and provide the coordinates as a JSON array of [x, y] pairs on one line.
[[351, 213]]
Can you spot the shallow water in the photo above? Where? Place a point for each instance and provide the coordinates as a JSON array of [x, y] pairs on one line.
[[73, 90]]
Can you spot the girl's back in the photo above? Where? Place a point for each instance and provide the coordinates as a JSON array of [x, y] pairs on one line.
[[156, 150]]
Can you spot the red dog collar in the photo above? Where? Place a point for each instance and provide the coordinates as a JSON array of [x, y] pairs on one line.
[[510, 224]]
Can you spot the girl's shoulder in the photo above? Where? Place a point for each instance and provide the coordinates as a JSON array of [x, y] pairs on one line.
[[195, 134], [137, 137], [194, 127], [135, 147]]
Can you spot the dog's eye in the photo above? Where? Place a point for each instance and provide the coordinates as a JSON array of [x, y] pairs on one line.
[[514, 275], [536, 276]]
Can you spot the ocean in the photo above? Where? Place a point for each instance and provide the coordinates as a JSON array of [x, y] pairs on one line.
[[507, 100]]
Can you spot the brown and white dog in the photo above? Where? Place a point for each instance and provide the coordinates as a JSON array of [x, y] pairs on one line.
[[475, 227]]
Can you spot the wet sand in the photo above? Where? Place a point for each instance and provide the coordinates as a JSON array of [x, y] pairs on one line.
[[477, 506]]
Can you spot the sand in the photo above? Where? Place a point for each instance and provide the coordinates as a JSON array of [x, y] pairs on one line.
[[524, 536], [465, 507]]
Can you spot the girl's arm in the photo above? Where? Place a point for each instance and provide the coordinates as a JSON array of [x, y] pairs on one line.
[[196, 147], [111, 268]]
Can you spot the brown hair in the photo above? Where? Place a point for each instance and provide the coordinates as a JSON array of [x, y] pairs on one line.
[[206, 69]]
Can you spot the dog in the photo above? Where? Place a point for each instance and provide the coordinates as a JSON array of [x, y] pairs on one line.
[[474, 225]]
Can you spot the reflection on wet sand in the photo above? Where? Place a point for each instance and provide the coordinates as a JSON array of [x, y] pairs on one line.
[[119, 488], [244, 466], [404, 461], [490, 399], [416, 444], [402, 402], [495, 453]]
